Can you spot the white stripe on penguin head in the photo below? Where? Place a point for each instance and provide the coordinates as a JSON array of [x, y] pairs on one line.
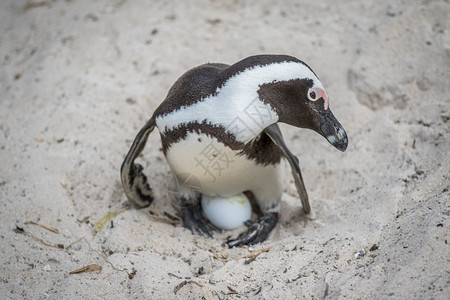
[[236, 105]]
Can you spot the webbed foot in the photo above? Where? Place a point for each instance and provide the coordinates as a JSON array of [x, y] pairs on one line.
[[194, 219], [257, 231]]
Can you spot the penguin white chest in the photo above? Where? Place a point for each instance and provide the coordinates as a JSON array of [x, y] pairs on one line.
[[218, 170]]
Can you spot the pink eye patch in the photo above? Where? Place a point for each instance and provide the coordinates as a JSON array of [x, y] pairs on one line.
[[316, 93]]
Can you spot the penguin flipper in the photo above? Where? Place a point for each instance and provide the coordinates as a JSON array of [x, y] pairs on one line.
[[134, 182], [273, 131]]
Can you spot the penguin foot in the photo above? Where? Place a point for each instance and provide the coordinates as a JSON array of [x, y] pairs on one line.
[[194, 219], [257, 231]]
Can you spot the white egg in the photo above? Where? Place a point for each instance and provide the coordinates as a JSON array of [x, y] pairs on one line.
[[227, 213]]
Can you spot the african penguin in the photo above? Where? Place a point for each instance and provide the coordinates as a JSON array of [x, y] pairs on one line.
[[219, 134]]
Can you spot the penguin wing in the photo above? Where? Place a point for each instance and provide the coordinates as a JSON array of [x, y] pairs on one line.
[[134, 182], [273, 131]]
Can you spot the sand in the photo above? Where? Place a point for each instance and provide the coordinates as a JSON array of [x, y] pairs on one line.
[[79, 78]]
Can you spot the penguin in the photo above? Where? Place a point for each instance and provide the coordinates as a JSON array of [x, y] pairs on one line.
[[220, 136]]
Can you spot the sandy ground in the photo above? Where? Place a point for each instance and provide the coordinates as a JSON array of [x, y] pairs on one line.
[[79, 78]]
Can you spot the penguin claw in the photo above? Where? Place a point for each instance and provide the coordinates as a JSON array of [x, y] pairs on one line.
[[257, 231], [194, 220]]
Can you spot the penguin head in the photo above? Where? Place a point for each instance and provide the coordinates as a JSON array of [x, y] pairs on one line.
[[303, 102]]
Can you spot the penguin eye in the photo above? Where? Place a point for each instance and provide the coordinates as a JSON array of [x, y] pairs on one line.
[[312, 94], [316, 93]]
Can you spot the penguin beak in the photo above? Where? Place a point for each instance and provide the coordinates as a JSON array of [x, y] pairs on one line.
[[332, 130]]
